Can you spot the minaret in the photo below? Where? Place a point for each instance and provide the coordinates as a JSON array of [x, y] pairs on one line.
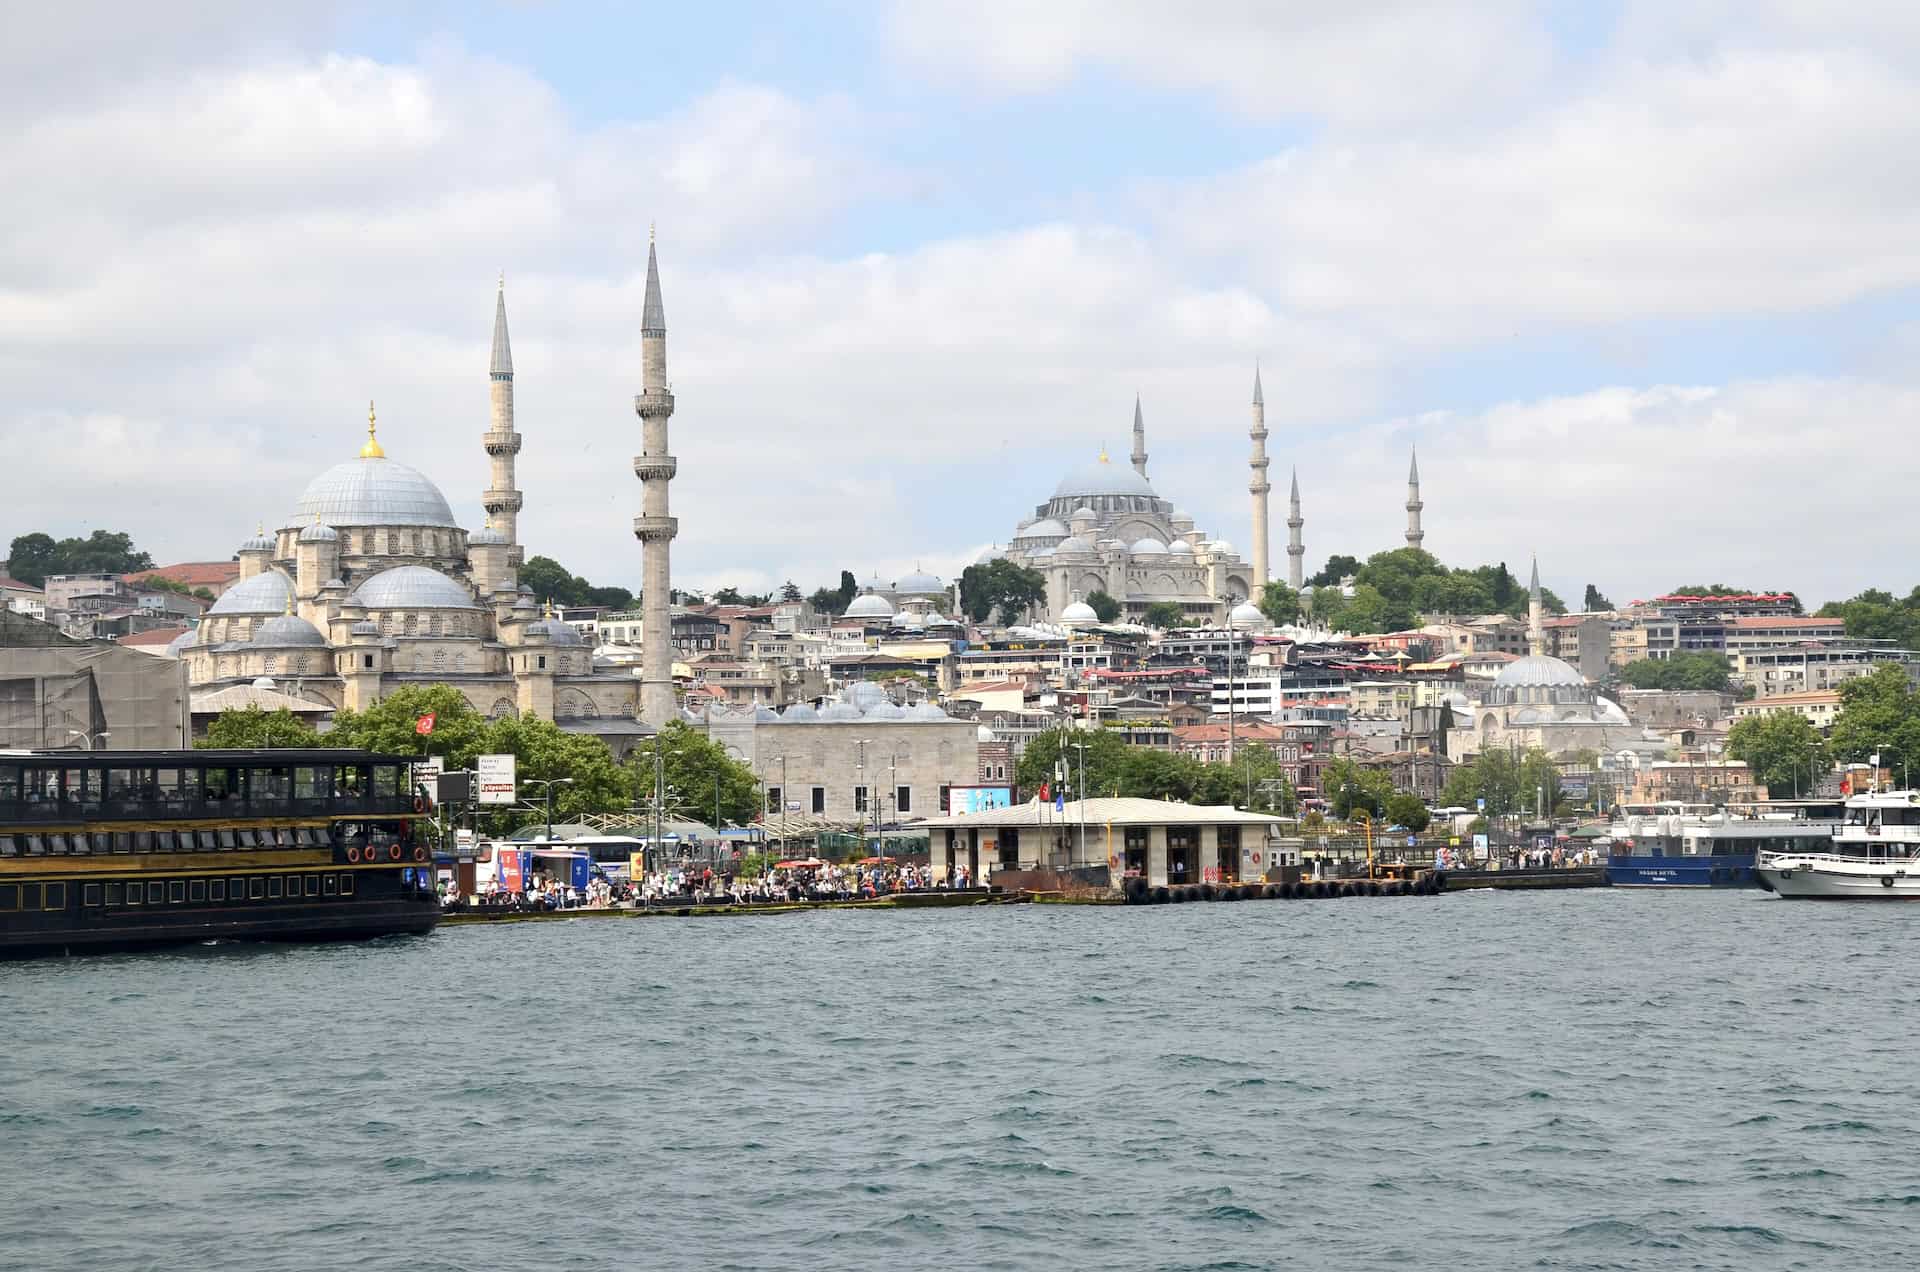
[[653, 527], [1415, 535], [501, 499], [1536, 626], [1259, 486], [1139, 438], [1296, 551]]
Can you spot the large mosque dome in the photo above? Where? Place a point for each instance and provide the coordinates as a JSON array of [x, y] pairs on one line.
[[1539, 671], [412, 587], [268, 592], [373, 491], [1102, 478]]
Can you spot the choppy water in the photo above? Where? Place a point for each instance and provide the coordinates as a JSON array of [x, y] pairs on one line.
[[1585, 1080]]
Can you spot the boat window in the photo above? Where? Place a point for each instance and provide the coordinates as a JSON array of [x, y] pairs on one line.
[[121, 784], [123, 841], [165, 785], [197, 890], [143, 841], [313, 885], [54, 897], [208, 841], [312, 781], [177, 891], [36, 845], [90, 895], [386, 779], [217, 890], [346, 885], [7, 848], [9, 897], [156, 893], [81, 790], [9, 783], [236, 889], [327, 885], [134, 893], [273, 888], [102, 841], [116, 894], [222, 784], [314, 836], [40, 785], [256, 888], [273, 785]]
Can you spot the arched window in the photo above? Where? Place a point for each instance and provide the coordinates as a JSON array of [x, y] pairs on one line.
[[386, 624], [412, 624], [299, 664], [433, 625], [460, 662], [439, 660], [267, 664], [393, 543]]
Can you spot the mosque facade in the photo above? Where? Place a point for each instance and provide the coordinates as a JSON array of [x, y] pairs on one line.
[[369, 584]]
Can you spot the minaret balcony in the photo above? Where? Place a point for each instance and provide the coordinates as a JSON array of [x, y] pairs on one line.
[[501, 443], [652, 403], [1259, 487], [655, 467], [501, 500], [655, 529]]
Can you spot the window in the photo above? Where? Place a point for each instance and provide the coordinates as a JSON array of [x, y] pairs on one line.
[[9, 897], [859, 799], [819, 804], [143, 841], [134, 893], [236, 889], [217, 890], [156, 893], [197, 891], [543, 662], [775, 799], [256, 888], [327, 885], [366, 660], [903, 799], [227, 840], [177, 891], [116, 894], [346, 885], [122, 841], [273, 888], [313, 885]]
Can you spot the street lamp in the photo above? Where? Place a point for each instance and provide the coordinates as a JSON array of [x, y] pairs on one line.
[[549, 783], [1082, 758], [90, 738]]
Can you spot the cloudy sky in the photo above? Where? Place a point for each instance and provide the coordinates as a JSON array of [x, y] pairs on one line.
[[1638, 279]]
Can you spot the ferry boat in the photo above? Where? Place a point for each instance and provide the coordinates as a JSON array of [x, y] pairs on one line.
[[1874, 855], [1679, 845], [110, 849]]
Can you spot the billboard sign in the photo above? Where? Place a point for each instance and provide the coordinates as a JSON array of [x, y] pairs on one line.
[[496, 779], [978, 799], [512, 875]]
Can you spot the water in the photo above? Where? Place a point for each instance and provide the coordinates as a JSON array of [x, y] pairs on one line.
[[1581, 1080]]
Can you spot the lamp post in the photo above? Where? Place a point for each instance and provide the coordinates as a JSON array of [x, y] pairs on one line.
[[549, 784], [90, 738], [860, 766], [1081, 747], [1231, 639]]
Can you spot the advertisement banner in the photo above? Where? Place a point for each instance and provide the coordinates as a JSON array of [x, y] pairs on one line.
[[496, 779], [512, 877], [978, 799]]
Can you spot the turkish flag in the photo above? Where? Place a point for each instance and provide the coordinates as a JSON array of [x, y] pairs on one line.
[[424, 725], [1846, 786], [1045, 793]]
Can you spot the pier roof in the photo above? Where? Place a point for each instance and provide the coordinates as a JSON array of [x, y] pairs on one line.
[[1122, 811]]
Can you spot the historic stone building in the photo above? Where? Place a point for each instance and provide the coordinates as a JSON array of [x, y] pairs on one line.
[[369, 584]]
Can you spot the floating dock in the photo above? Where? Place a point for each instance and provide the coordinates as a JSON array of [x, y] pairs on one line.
[[1563, 877]]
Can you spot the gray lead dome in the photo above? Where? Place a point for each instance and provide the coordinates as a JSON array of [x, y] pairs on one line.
[[373, 492], [412, 587]]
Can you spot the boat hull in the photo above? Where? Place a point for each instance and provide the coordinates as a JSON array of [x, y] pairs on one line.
[[1722, 870], [1836, 879]]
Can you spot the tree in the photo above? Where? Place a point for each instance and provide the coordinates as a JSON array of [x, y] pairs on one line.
[[34, 556], [789, 592], [1106, 759], [1879, 713], [692, 763], [1336, 569], [1407, 809], [542, 750], [1697, 671], [551, 581], [459, 731], [1279, 603], [1104, 606], [251, 728], [1352, 788], [1783, 751], [1876, 615], [1510, 782], [1594, 602], [833, 601], [31, 558], [1163, 615], [1001, 585]]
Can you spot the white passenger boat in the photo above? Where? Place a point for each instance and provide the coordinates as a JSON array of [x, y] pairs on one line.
[[1874, 856]]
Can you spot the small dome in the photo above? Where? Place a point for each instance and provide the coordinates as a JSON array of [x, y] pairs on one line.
[[864, 694], [765, 715], [412, 587], [261, 542], [875, 583], [800, 711], [839, 711], [265, 593], [555, 631], [870, 606], [1537, 671], [927, 711], [920, 582], [524, 603], [1149, 547], [1245, 615], [178, 645], [907, 620], [986, 734], [1045, 528], [319, 532], [264, 682], [884, 711], [1178, 515], [1078, 614], [989, 554], [373, 492], [1180, 547], [365, 629], [1102, 478], [1073, 543], [487, 537], [1220, 547], [341, 584], [288, 629]]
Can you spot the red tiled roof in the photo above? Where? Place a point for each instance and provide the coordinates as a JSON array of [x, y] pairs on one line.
[[191, 573], [162, 636]]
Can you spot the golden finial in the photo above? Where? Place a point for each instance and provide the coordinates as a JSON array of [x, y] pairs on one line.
[[372, 449], [503, 280], [650, 228], [260, 529], [1103, 454]]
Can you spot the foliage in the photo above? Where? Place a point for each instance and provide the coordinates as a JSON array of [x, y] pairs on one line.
[[551, 581], [1113, 767], [459, 731], [734, 596], [1392, 589], [752, 864], [1700, 670], [1163, 615], [691, 763], [1594, 602], [1001, 585], [1507, 780], [1878, 713], [1104, 607], [1407, 809], [1351, 788], [1877, 615], [833, 601], [789, 592], [161, 583], [1280, 603], [33, 556], [251, 728], [899, 673], [1337, 568], [1784, 751]]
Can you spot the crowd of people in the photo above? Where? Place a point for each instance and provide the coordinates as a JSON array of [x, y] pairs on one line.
[[699, 884]]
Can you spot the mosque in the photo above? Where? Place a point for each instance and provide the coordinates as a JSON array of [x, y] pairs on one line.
[[369, 584]]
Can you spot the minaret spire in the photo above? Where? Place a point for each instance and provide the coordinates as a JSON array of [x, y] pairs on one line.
[[1259, 485], [1296, 551], [1536, 614], [655, 529], [1139, 438], [502, 499], [1415, 535]]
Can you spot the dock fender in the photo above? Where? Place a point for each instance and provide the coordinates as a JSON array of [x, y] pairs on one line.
[[1886, 881], [1271, 892], [1208, 892], [1160, 896], [1321, 890]]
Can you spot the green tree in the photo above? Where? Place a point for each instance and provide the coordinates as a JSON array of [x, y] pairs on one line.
[[1351, 787], [1509, 781], [251, 728], [388, 726], [1002, 585], [551, 581], [1784, 751], [789, 592], [542, 750], [1104, 606], [1163, 615], [1280, 603], [1594, 602], [833, 601], [1877, 615], [1700, 670], [31, 558], [1254, 780], [693, 763], [1106, 756], [1337, 568], [1407, 809], [1879, 713], [613, 598], [34, 556]]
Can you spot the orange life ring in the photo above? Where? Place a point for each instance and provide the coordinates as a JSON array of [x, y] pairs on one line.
[[393, 852], [420, 854], [353, 853], [419, 803]]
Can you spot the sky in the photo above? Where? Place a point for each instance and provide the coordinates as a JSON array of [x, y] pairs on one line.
[[1640, 281]]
